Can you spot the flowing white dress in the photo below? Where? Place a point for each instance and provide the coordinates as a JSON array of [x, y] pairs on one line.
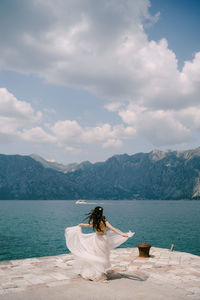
[[92, 250]]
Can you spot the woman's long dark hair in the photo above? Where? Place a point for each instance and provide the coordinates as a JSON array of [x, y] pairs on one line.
[[95, 217]]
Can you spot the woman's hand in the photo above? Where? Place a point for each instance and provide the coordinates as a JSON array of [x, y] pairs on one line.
[[124, 235], [80, 225]]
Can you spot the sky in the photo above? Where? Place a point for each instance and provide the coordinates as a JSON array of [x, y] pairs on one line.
[[85, 80]]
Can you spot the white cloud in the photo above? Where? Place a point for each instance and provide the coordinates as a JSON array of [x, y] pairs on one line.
[[113, 106], [101, 46], [112, 143], [18, 120], [37, 135], [14, 115], [67, 131], [13, 108], [71, 135], [190, 77], [163, 127], [112, 58], [75, 43]]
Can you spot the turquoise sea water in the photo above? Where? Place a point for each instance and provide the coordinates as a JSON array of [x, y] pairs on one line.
[[36, 228]]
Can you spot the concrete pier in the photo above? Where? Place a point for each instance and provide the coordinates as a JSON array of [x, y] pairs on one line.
[[164, 275]]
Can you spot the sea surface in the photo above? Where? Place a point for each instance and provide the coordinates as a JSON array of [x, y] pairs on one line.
[[36, 228]]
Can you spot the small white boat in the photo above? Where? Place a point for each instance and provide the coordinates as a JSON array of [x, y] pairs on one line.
[[81, 202]]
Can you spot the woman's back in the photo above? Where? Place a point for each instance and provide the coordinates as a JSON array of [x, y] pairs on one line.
[[102, 228]]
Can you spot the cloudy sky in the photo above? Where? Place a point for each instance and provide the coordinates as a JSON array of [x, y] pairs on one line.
[[84, 79]]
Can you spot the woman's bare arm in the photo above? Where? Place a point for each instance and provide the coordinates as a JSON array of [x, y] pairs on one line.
[[85, 225], [108, 225]]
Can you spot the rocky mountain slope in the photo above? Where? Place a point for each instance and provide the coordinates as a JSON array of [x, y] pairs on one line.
[[154, 175], [21, 177], [61, 167]]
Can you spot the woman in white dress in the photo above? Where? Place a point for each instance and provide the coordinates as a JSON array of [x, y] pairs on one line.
[[92, 251]]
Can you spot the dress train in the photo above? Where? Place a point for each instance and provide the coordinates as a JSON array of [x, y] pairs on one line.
[[92, 250]]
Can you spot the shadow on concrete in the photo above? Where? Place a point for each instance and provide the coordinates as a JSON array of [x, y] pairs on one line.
[[114, 276]]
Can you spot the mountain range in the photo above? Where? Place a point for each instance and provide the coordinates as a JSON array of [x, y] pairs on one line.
[[154, 175]]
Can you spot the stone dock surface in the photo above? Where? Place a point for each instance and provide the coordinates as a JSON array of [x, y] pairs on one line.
[[164, 275]]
